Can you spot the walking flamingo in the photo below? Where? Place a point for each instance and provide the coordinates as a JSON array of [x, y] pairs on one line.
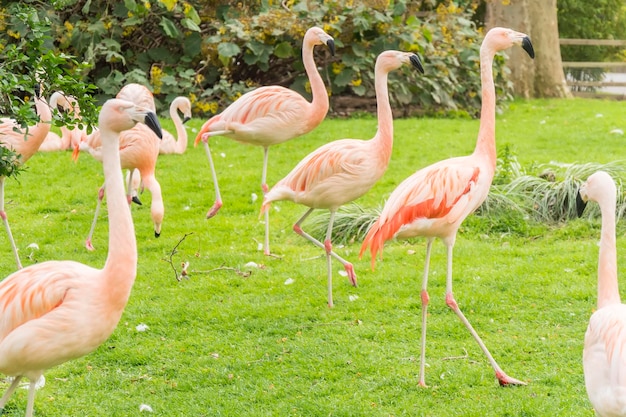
[[56, 311], [139, 149], [434, 201], [343, 170], [271, 115], [69, 139], [13, 137], [604, 355]]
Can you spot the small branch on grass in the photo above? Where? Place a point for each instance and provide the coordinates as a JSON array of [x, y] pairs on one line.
[[454, 358], [244, 274], [184, 265]]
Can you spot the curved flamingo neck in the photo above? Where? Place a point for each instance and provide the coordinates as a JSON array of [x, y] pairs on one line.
[[486, 143], [319, 103], [608, 290], [384, 133], [36, 134], [181, 132], [121, 263]]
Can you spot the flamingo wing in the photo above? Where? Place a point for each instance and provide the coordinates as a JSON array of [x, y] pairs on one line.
[[604, 360], [33, 292], [444, 192]]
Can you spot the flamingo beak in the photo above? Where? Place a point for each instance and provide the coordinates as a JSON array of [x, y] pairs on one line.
[[580, 204], [528, 47], [415, 61], [186, 119], [152, 122], [331, 45]]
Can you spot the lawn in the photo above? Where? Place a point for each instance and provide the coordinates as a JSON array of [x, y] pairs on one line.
[[249, 335]]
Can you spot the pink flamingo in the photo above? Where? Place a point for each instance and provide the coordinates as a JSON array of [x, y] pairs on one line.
[[171, 144], [13, 137], [69, 139], [139, 149], [604, 355], [344, 170], [271, 115], [56, 311], [435, 200]]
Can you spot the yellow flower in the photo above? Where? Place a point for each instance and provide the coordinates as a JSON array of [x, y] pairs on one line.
[[337, 67], [68, 26], [156, 73], [107, 25], [199, 78], [147, 5], [192, 98], [13, 34], [357, 82]]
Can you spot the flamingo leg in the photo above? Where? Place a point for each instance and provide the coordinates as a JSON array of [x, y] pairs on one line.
[[129, 190], [9, 392], [30, 405], [347, 265], [503, 378], [265, 188], [5, 220], [132, 190], [425, 299], [218, 198], [88, 244]]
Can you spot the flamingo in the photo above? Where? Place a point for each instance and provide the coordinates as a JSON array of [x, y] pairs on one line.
[[434, 201], [271, 115], [170, 144], [56, 311], [139, 149], [343, 170], [604, 355], [69, 139], [12, 136]]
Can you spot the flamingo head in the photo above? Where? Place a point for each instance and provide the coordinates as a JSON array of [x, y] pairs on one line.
[[390, 60], [317, 36], [120, 115], [502, 38], [598, 187]]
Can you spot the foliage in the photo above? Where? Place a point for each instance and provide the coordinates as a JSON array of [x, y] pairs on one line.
[[581, 19], [9, 163]]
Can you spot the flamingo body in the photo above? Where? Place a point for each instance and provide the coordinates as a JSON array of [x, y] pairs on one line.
[[344, 170], [604, 353], [435, 200], [271, 115], [56, 311]]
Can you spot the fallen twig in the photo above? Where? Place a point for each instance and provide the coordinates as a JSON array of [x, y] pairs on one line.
[[238, 271], [184, 265]]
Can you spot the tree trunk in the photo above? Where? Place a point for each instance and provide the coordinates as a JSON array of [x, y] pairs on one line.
[[543, 76]]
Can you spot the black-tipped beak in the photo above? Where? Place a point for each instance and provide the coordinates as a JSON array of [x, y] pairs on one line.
[[415, 61], [37, 90], [186, 119], [528, 47], [153, 123], [331, 45], [580, 204]]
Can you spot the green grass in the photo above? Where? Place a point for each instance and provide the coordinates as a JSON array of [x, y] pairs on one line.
[[235, 340]]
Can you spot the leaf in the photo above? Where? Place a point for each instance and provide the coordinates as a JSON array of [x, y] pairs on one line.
[[130, 5], [190, 24], [283, 50], [170, 28], [169, 4], [228, 49]]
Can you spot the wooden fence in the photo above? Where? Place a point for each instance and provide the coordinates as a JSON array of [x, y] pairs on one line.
[[613, 67]]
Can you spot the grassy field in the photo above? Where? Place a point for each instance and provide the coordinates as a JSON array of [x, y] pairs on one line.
[[235, 339]]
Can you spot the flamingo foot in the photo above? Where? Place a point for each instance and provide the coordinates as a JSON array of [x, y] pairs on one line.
[[351, 275], [422, 384], [137, 201], [216, 207], [506, 380], [88, 245]]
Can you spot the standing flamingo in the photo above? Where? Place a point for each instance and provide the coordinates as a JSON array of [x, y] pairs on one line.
[[139, 149], [604, 355], [435, 200], [344, 170], [69, 139], [271, 115], [171, 144], [56, 311], [14, 138]]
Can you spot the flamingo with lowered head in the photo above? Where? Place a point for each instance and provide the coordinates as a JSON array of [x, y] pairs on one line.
[[69, 139], [56, 311], [434, 201], [343, 170], [604, 354], [25, 145], [271, 115]]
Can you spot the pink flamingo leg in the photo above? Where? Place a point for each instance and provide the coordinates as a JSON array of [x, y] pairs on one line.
[[218, 198], [503, 378], [5, 220], [329, 252], [425, 299], [88, 244], [7, 395], [265, 188]]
